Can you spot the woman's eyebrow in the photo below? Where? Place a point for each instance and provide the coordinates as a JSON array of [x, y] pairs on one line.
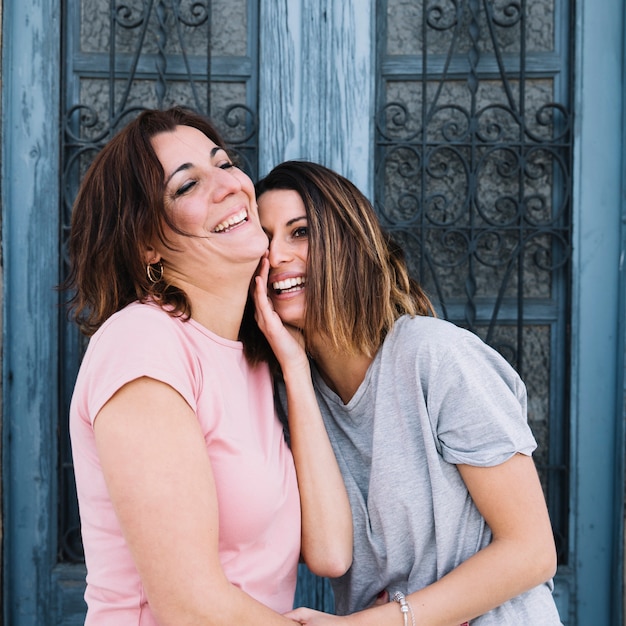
[[180, 168], [186, 166], [295, 219]]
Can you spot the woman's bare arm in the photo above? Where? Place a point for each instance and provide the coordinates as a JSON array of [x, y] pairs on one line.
[[521, 555], [160, 481], [326, 514]]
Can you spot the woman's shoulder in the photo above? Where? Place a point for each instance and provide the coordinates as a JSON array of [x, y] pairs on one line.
[[428, 331], [138, 311], [140, 340], [419, 340], [139, 317], [439, 341], [137, 326]]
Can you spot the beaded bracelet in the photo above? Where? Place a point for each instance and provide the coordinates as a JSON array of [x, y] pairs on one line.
[[405, 607]]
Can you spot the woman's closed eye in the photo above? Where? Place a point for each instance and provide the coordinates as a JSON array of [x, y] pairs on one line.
[[184, 188]]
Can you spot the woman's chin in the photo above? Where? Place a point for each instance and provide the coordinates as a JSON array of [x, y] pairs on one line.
[[290, 312]]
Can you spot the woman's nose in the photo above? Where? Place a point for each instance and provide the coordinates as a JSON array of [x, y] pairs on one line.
[[227, 181], [279, 252]]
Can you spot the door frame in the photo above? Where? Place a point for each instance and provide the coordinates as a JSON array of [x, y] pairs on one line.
[[597, 338], [30, 245]]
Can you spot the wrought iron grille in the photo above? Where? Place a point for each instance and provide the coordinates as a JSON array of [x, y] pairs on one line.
[[123, 56], [473, 177]]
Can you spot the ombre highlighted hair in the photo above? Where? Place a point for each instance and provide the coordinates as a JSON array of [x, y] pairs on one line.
[[358, 283]]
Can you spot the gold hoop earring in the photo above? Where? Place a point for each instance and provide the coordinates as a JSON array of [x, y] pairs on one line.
[[154, 272]]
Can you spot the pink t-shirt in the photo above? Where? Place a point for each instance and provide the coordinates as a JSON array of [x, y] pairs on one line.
[[259, 507]]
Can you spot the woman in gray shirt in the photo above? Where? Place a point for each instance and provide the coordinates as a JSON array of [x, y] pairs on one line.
[[427, 422]]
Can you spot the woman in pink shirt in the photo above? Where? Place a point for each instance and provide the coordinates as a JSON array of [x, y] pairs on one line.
[[188, 494]]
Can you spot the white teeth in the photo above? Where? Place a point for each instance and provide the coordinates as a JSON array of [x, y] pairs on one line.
[[231, 221], [288, 283]]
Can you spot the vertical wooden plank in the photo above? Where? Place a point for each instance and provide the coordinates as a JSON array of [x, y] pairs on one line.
[[338, 87], [317, 76], [316, 90], [279, 82], [597, 198], [30, 235]]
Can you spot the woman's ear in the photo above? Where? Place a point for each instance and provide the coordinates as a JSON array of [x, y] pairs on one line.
[[151, 256]]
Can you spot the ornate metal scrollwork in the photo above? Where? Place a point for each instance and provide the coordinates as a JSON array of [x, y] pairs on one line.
[[476, 166]]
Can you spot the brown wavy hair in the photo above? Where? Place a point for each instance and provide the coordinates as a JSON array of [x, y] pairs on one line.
[[358, 283], [118, 212]]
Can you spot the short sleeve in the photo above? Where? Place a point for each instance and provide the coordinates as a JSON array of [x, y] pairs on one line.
[[141, 340], [477, 403]]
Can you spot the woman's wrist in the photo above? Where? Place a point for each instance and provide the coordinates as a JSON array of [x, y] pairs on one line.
[[408, 616], [296, 370]]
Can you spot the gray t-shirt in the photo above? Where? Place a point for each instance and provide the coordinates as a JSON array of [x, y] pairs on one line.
[[434, 396]]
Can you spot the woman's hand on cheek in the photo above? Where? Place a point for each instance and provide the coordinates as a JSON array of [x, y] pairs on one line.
[[287, 342]]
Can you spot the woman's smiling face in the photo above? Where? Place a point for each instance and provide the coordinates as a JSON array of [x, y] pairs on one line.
[[211, 200], [283, 218]]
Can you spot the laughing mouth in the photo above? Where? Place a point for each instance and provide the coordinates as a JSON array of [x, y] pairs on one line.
[[231, 222], [289, 285]]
